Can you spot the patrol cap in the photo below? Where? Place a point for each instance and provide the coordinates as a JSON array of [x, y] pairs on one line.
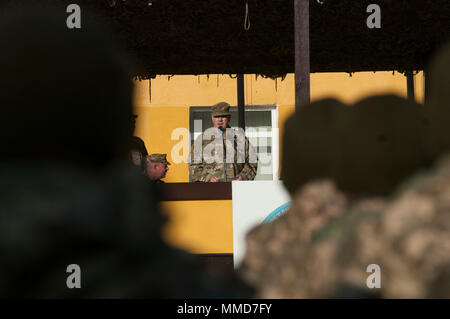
[[158, 158], [221, 109]]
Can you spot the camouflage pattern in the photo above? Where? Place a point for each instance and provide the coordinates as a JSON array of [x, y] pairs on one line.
[[221, 109], [323, 245], [276, 257], [409, 238], [157, 158], [222, 155], [336, 238]]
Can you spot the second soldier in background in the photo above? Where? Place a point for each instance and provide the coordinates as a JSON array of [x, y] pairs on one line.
[[156, 166]]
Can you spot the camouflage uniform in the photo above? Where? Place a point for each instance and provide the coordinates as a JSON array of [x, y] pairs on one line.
[[408, 236], [213, 150], [336, 239], [337, 234], [272, 265]]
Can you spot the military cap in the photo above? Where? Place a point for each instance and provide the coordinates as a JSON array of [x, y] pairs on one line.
[[158, 158], [221, 109]]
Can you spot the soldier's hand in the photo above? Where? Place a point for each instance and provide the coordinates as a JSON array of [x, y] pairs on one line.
[[238, 179], [214, 179]]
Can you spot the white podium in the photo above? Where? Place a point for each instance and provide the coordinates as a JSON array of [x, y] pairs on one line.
[[254, 202]]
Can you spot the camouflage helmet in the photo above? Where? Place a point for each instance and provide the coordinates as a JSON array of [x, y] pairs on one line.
[[221, 109], [157, 158]]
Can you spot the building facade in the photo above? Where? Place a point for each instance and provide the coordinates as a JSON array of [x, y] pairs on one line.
[[172, 111]]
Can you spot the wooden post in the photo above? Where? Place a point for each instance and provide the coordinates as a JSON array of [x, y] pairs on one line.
[[150, 90], [426, 89], [302, 63], [410, 85], [241, 101]]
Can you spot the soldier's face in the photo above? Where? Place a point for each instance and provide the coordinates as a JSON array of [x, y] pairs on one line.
[[163, 168], [220, 122], [156, 171]]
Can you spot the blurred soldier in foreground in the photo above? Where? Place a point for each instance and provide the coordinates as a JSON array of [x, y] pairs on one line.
[[222, 154], [408, 237], [157, 167], [138, 151], [337, 162], [349, 246], [68, 195]]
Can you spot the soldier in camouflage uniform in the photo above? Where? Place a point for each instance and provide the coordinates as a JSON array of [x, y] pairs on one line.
[[222, 153], [156, 167]]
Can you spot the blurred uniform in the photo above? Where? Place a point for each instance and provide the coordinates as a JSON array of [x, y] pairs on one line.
[[67, 195], [209, 153], [338, 222]]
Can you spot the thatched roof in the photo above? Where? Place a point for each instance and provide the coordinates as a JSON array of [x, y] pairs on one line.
[[208, 36]]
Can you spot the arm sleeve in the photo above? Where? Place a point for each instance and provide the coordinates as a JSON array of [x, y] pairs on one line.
[[248, 173], [196, 170]]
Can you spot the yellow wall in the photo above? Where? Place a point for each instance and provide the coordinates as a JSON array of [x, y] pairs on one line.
[[362, 84], [205, 226], [155, 125], [167, 107], [201, 227]]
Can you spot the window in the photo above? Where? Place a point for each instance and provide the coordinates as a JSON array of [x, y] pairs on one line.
[[261, 128]]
